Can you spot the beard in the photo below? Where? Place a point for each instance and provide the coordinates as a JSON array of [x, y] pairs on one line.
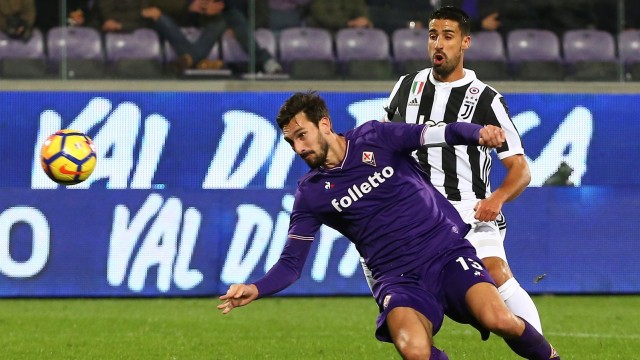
[[317, 159], [447, 67]]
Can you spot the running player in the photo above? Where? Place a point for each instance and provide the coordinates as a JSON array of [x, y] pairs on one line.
[[446, 93]]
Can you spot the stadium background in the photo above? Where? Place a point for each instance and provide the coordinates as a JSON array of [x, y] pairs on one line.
[[188, 195]]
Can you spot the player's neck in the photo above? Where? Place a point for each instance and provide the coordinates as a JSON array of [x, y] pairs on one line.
[[337, 152]]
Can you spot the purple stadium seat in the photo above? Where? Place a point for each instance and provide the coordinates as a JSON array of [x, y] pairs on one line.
[[590, 54], [20, 59], [535, 54], [134, 55], [410, 49], [486, 45], [629, 49], [361, 60], [79, 49], [307, 53], [486, 56]]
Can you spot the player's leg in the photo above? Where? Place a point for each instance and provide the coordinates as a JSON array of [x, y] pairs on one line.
[[412, 334], [473, 298], [409, 317], [488, 240], [513, 295], [492, 313]]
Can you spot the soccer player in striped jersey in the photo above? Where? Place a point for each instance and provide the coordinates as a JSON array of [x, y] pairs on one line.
[[366, 185], [447, 93]]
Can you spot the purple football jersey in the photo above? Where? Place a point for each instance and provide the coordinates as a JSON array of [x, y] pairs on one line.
[[379, 180]]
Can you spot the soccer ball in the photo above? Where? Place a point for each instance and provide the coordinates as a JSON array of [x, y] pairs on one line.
[[68, 157]]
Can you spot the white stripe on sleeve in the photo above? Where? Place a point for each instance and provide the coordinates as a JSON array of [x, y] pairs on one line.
[[433, 136]]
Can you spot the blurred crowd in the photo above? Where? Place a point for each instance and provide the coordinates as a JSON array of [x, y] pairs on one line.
[[216, 17]]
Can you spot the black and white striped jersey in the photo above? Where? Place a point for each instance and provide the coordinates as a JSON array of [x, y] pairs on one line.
[[460, 172]]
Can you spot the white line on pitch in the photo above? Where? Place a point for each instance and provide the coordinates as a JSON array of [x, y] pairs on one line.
[[564, 334]]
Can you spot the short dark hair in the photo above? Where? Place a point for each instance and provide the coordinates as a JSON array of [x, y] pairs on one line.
[[310, 103], [455, 14]]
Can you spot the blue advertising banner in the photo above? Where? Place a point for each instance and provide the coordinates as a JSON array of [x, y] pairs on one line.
[[193, 191]]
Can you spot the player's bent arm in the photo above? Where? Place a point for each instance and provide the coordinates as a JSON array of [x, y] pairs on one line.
[[516, 180], [461, 133]]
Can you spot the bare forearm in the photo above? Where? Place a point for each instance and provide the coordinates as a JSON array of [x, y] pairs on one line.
[[517, 179]]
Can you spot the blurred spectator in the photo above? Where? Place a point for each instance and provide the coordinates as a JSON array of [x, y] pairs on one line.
[[390, 15], [235, 15], [261, 11], [496, 15], [169, 16], [561, 16], [632, 14], [77, 13], [17, 18], [334, 15], [608, 15], [284, 14], [504, 16], [121, 15]]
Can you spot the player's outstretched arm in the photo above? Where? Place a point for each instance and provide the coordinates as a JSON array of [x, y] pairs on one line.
[[237, 295], [462, 133]]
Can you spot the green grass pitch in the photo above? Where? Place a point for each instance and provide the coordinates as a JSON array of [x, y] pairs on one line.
[[580, 327]]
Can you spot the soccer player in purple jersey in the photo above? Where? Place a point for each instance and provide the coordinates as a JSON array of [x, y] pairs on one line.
[[367, 185]]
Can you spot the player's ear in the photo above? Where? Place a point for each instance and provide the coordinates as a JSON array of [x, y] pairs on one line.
[[325, 124], [466, 42]]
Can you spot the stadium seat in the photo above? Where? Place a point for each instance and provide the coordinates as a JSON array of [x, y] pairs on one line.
[[590, 55], [20, 59], [76, 50], [486, 56], [364, 54], [134, 55], [234, 55], [307, 53], [410, 49], [535, 54], [629, 49]]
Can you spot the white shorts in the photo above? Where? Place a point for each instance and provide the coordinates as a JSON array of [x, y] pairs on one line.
[[486, 237]]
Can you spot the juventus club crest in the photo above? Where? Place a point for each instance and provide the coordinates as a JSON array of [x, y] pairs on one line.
[[469, 104], [368, 158]]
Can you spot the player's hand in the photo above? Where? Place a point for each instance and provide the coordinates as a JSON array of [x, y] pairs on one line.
[[487, 209], [237, 295], [492, 136]]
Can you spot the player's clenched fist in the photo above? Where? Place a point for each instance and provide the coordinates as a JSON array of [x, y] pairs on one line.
[[492, 136], [237, 295]]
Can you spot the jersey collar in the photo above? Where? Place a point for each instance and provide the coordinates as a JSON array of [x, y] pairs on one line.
[[469, 76]]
